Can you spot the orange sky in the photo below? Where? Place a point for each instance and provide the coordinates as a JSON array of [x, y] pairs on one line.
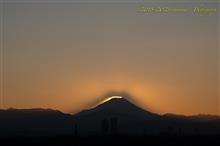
[[66, 55]]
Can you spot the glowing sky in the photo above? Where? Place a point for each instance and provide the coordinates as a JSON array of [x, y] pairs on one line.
[[64, 55]]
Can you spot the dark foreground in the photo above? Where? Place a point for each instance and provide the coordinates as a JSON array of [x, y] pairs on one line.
[[113, 140]]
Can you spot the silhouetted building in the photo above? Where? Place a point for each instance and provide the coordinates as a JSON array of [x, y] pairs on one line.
[[109, 126], [180, 131], [104, 127], [76, 130], [170, 130], [114, 125], [196, 131]]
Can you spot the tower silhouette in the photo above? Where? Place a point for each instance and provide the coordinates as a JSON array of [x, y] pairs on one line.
[[109, 126], [104, 127], [76, 130], [114, 125]]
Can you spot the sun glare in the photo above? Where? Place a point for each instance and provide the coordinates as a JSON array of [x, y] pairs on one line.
[[110, 98]]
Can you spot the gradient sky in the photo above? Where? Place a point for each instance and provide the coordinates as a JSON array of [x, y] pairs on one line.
[[64, 55]]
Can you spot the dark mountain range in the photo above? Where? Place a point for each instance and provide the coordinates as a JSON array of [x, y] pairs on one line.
[[117, 116], [118, 111], [120, 116], [34, 122], [198, 118]]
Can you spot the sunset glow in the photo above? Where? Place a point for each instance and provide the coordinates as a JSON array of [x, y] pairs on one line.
[[67, 55]]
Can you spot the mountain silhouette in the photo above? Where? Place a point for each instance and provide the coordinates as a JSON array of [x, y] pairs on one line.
[[132, 120], [118, 107], [128, 117], [116, 116], [34, 122]]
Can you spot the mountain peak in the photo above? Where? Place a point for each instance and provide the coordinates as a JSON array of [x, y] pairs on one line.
[[117, 106], [111, 99], [114, 102]]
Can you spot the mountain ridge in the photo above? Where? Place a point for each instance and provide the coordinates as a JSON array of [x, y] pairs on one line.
[[126, 117]]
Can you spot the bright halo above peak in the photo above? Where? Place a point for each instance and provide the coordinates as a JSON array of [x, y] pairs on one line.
[[110, 98]]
